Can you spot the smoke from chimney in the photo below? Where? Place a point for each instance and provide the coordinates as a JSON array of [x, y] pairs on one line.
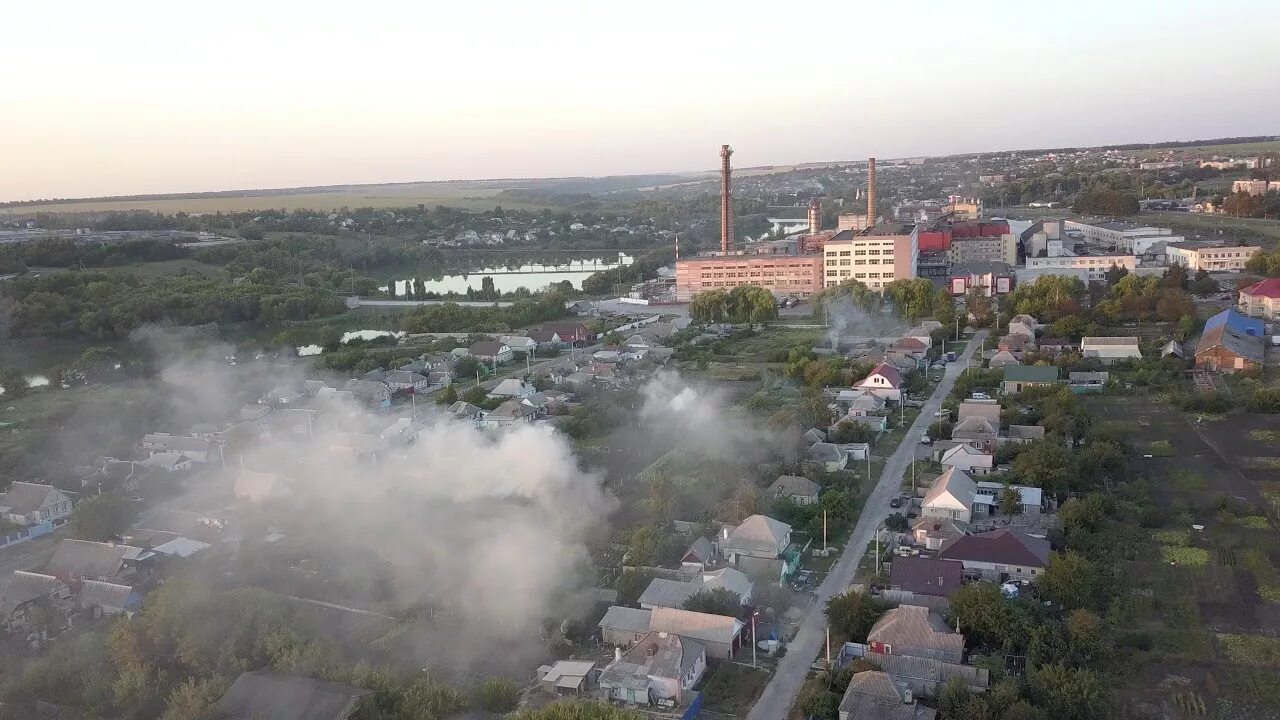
[[726, 202], [871, 192]]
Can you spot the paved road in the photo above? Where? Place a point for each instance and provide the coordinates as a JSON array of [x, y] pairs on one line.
[[780, 694]]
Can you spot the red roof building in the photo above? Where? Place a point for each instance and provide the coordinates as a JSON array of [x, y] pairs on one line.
[[883, 380], [926, 576], [1261, 299]]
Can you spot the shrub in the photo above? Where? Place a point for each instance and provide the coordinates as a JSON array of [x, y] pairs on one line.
[[497, 695]]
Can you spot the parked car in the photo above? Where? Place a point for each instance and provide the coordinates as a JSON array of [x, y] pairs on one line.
[[896, 502]]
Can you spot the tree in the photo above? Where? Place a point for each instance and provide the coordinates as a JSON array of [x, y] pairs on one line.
[[613, 338], [194, 700], [1010, 501], [1045, 464], [822, 704], [631, 584], [982, 612], [952, 696], [497, 695], [448, 396], [102, 517], [466, 367], [1205, 285], [642, 547], [475, 395], [14, 383], [1073, 694], [716, 601], [577, 710], [1072, 581], [847, 431], [853, 614], [896, 522]]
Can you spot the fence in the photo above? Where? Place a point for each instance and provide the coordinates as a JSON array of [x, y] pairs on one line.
[[27, 533]]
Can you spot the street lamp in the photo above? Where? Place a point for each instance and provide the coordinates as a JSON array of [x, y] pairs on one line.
[[754, 614]]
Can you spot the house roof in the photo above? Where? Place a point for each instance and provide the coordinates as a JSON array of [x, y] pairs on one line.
[[618, 617], [1006, 547], [1031, 373], [513, 409], [910, 344], [405, 377], [729, 579], [758, 532], [1028, 495], [1003, 358], [662, 592], [794, 485], [1269, 288], [518, 341], [1222, 336], [873, 695], [513, 387], [974, 426], [21, 587], [926, 576], [1173, 347], [87, 558], [1125, 342], [543, 336], [1238, 322], [703, 627], [939, 527], [24, 498], [465, 409], [181, 547], [1026, 432], [826, 452], [104, 594], [164, 460], [565, 329], [179, 443], [569, 668], [486, 348], [953, 489], [288, 697], [814, 435], [661, 654], [989, 409], [867, 402], [914, 626], [889, 372], [967, 455], [700, 550]]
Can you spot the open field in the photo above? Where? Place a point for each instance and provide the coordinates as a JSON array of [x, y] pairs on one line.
[[469, 196], [1240, 150]]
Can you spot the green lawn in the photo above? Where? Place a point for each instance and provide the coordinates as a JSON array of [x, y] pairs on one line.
[[732, 688]]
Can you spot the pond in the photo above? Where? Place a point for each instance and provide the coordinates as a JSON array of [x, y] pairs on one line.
[[347, 337], [34, 381], [533, 276]]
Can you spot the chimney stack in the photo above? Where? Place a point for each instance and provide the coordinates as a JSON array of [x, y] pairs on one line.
[[815, 216], [871, 192], [726, 204]]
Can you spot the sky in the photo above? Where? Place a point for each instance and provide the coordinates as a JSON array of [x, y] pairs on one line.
[[157, 97]]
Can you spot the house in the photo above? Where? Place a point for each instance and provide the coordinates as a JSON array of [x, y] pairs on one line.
[[1173, 349], [829, 455], [406, 381], [520, 343], [932, 533], [661, 669], [29, 504], [1026, 320], [1024, 433], [921, 333], [509, 414], [699, 555], [760, 547], [926, 576], [1052, 346], [951, 496], [1261, 299], [986, 499], [873, 695], [1003, 359], [180, 547], [1224, 350], [914, 631], [490, 351], [262, 695], [662, 592], [622, 626], [568, 677], [1021, 377], [861, 402], [573, 333], [101, 599], [75, 561], [910, 347], [719, 634], [1087, 380], [196, 448], [1018, 327], [976, 430], [969, 459], [21, 591], [999, 554], [370, 392], [989, 409], [169, 462], [546, 337], [513, 388], [799, 490], [814, 435], [258, 486], [1110, 349], [875, 423], [883, 380], [465, 411], [731, 580]]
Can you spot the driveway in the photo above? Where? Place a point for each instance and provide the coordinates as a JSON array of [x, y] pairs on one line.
[[793, 669]]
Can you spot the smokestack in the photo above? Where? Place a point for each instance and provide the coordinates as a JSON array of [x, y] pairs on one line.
[[677, 246], [815, 216], [726, 203], [871, 192]]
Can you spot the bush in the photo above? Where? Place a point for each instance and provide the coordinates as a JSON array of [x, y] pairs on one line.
[[497, 695]]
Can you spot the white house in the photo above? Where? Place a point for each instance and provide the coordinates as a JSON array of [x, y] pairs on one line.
[[1110, 349], [883, 380], [950, 497], [969, 459], [986, 499], [520, 343], [27, 503], [513, 388], [490, 351], [167, 462], [196, 448]]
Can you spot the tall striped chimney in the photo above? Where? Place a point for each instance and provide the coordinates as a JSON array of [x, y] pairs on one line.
[[871, 192], [726, 202], [815, 216]]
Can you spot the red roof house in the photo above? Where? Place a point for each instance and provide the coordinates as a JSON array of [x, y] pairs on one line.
[[883, 380]]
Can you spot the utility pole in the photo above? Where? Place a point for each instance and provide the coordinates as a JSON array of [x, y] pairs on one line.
[[828, 646], [824, 532], [754, 613]]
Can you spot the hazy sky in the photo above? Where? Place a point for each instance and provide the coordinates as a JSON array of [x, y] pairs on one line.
[[137, 97]]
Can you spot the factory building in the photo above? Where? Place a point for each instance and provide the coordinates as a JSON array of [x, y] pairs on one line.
[[1096, 266], [1210, 257], [876, 257], [782, 274]]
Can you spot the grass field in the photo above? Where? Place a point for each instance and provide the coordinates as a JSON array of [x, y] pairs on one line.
[[1240, 150], [469, 196]]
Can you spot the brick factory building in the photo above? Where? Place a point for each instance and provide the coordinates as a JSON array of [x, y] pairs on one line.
[[798, 275]]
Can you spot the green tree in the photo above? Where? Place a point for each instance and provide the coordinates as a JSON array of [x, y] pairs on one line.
[[613, 338], [821, 704], [631, 584], [1010, 501], [1047, 465], [984, 614], [853, 614], [1073, 581], [642, 547], [847, 431], [476, 395], [14, 383], [716, 601], [448, 396], [102, 517], [577, 710], [497, 695], [194, 699], [1074, 694], [953, 696], [896, 522]]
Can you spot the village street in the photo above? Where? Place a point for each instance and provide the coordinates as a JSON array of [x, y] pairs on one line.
[[780, 694]]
